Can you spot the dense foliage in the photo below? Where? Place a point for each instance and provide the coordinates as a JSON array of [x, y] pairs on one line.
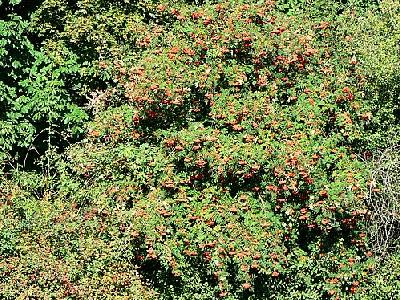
[[36, 107], [196, 149]]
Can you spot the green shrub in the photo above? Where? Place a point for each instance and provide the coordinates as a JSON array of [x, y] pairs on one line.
[[220, 161], [230, 149], [330, 9], [48, 250], [384, 282], [374, 43], [37, 110]]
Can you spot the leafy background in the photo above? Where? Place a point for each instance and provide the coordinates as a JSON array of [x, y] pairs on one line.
[[197, 149]]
